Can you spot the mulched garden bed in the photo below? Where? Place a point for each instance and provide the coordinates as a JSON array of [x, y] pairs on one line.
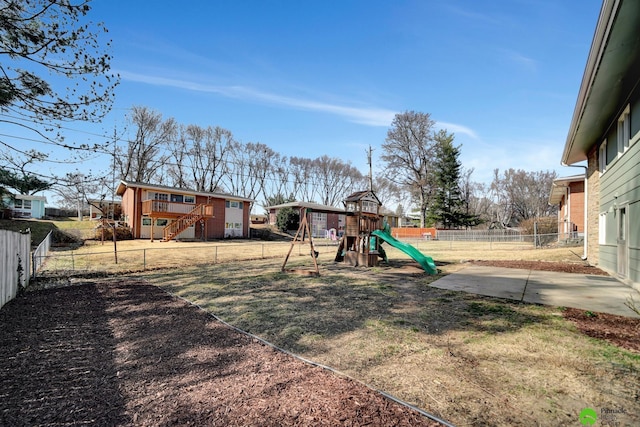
[[560, 267], [619, 330], [126, 353]]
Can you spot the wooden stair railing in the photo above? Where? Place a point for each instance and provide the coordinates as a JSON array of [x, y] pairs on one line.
[[182, 223]]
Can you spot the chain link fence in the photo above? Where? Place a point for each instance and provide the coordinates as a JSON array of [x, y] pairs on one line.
[[103, 259], [97, 258]]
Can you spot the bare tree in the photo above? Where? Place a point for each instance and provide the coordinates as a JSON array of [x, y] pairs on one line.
[[277, 185], [408, 154], [74, 189], [521, 195], [176, 167], [388, 192], [248, 169], [303, 180], [146, 153], [207, 155], [335, 179]]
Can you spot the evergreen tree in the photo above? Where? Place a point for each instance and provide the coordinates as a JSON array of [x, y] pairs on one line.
[[447, 207], [287, 219], [26, 184]]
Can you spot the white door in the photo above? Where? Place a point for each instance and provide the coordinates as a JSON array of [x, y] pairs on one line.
[[623, 247]]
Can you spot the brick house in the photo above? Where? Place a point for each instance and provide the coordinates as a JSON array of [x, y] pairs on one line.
[[161, 212]]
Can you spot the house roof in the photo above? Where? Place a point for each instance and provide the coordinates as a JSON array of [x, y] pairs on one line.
[[29, 197], [316, 207], [108, 201], [558, 188], [611, 73], [359, 195], [124, 184]]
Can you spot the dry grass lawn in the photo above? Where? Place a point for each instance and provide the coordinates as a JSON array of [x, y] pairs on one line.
[[470, 360]]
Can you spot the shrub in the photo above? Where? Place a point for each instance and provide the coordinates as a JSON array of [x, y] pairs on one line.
[[122, 233], [287, 219]]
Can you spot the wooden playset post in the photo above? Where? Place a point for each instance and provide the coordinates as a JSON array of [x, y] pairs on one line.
[[303, 229]]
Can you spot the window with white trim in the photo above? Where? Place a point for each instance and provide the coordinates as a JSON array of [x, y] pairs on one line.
[[190, 199], [602, 157], [624, 130], [602, 228]]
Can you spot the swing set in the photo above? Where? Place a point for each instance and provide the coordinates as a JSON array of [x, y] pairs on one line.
[[303, 232]]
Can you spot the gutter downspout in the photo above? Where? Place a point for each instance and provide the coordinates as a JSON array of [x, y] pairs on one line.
[[586, 199]]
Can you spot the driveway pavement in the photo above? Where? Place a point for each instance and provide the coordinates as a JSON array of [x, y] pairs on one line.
[[594, 293]]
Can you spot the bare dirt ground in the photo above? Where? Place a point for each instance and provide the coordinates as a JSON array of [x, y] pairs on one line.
[[126, 353]]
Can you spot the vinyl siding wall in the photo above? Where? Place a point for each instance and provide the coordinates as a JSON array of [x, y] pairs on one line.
[[620, 187]]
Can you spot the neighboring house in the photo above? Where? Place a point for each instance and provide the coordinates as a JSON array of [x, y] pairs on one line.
[[111, 209], [23, 206], [568, 194], [393, 219], [322, 220], [258, 219], [161, 212], [604, 131]]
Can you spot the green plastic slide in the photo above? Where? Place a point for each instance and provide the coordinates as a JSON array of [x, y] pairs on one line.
[[425, 261]]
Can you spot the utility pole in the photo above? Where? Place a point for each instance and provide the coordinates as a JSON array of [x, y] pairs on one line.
[[369, 155]]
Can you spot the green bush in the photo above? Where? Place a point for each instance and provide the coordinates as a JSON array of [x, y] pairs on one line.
[[287, 219]]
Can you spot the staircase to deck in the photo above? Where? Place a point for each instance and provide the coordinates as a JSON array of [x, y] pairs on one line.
[[173, 229]]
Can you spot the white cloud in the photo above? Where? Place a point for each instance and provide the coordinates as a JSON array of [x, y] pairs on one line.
[[457, 129], [368, 116]]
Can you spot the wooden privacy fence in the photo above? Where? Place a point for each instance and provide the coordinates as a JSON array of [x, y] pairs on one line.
[[15, 260], [39, 255], [413, 233]]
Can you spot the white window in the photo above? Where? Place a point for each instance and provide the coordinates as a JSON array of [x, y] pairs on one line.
[[624, 131], [17, 203], [190, 199], [160, 222], [146, 221], [160, 196], [368, 206], [26, 204], [602, 157], [602, 229]]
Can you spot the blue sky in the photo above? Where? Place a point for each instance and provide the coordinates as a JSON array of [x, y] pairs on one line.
[[309, 78]]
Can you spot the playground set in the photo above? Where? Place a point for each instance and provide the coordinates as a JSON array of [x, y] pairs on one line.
[[363, 236]]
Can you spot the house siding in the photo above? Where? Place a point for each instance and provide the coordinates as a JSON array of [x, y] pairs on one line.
[[619, 187]]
